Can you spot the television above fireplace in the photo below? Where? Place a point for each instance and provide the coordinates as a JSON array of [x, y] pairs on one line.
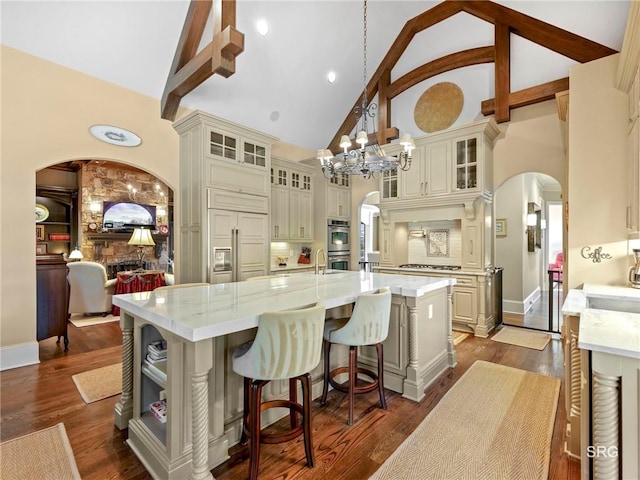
[[125, 216]]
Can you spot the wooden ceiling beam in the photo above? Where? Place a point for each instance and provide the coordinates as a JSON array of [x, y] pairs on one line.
[[549, 36], [529, 96], [502, 73], [440, 12], [465, 58], [191, 68]]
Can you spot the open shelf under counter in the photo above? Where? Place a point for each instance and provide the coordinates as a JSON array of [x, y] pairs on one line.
[[155, 426]]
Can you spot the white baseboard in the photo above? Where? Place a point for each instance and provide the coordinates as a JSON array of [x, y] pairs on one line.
[[20, 355], [521, 307], [531, 299]]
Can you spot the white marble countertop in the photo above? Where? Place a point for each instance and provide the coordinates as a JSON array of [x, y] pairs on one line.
[[298, 266], [432, 270], [607, 331], [609, 318], [574, 303], [199, 313]]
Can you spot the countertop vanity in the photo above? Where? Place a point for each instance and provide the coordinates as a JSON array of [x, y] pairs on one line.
[[602, 361], [203, 325]]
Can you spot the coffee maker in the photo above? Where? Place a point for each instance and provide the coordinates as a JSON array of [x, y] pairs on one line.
[[634, 272]]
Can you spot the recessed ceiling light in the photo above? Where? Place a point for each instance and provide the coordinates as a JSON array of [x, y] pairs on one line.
[[331, 77], [115, 135], [262, 26]]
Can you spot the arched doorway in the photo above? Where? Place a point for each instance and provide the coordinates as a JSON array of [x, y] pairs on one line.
[[529, 237], [80, 192], [368, 220]]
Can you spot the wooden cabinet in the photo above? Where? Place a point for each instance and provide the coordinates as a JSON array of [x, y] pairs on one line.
[[389, 185], [338, 202], [56, 232], [52, 304], [292, 202]]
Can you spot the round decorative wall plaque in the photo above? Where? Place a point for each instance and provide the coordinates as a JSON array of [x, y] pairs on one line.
[[438, 107]]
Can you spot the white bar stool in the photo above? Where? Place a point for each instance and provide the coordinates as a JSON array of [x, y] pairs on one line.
[[368, 325], [287, 346]]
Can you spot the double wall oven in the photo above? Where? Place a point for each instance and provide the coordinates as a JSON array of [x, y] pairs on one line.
[[338, 245]]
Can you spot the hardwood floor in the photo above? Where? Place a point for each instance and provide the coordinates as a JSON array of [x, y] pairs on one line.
[[538, 315], [40, 396]]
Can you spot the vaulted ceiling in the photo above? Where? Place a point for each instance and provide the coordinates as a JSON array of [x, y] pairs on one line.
[[279, 85]]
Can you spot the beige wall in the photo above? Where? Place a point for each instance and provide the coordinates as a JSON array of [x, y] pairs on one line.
[[47, 110], [597, 178], [531, 142]]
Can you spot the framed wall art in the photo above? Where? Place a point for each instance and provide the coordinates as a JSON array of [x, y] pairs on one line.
[[40, 232], [501, 227], [41, 249], [438, 243]]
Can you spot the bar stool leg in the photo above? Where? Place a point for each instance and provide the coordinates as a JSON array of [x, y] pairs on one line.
[[254, 428], [306, 418], [293, 397], [325, 384], [245, 413], [353, 359], [383, 401]]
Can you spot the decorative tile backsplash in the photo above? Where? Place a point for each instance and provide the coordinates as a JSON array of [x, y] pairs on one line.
[[441, 243]]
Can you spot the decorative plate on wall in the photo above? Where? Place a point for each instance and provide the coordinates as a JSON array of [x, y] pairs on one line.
[[438, 107], [42, 212]]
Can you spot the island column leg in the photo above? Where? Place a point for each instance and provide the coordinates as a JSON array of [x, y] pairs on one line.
[[123, 411], [451, 351], [200, 411], [413, 388]]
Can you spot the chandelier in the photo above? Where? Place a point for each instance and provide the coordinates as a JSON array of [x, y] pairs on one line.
[[369, 158]]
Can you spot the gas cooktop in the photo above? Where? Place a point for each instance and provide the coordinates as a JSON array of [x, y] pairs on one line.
[[433, 267]]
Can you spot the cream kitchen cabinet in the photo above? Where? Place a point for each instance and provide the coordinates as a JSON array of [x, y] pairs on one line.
[[300, 216], [432, 171], [633, 152], [338, 202], [292, 202], [456, 164], [279, 214], [223, 166]]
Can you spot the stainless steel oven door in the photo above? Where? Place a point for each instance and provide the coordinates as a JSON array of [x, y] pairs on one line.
[[338, 238], [338, 262]]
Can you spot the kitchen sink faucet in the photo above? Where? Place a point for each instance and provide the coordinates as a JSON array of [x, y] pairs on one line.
[[324, 266]]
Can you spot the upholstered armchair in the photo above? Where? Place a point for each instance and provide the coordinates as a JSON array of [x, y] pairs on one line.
[[557, 265], [89, 289]]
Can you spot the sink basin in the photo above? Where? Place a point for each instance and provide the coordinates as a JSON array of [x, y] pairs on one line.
[[617, 305]]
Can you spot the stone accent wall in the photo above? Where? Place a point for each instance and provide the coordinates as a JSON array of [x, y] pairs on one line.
[[108, 181]]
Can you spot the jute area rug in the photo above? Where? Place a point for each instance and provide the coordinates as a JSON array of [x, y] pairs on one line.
[[99, 383], [495, 423], [80, 320], [522, 338], [459, 337], [45, 454]]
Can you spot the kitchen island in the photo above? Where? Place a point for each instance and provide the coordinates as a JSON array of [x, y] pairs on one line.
[[203, 325]]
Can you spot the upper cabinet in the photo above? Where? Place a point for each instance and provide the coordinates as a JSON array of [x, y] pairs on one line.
[[292, 201], [338, 202], [633, 152], [455, 163]]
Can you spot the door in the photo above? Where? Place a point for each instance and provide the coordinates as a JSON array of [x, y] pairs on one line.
[[247, 235]]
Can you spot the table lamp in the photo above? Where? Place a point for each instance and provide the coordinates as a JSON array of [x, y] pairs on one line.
[[76, 254], [141, 238]]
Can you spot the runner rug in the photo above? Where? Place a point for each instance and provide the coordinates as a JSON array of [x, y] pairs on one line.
[[45, 455], [100, 383], [496, 422], [522, 338], [80, 320]]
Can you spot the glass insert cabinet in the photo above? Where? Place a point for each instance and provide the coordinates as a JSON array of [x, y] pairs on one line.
[[466, 164]]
